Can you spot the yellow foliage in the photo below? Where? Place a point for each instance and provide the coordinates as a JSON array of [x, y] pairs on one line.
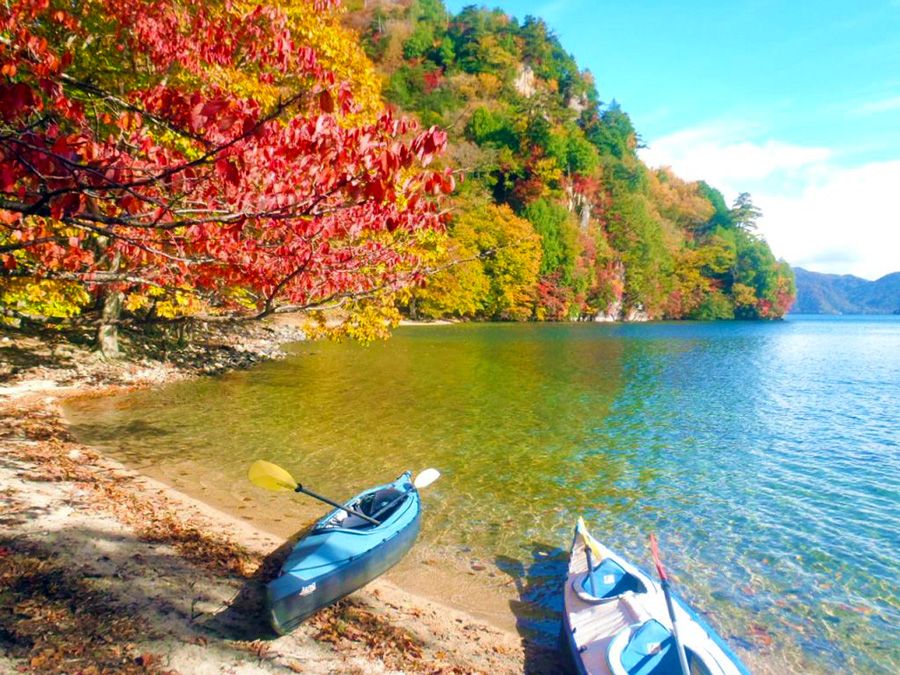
[[480, 87], [178, 304], [338, 49], [548, 171], [679, 200], [491, 268], [460, 288], [364, 320], [165, 304], [744, 296], [43, 298], [135, 301]]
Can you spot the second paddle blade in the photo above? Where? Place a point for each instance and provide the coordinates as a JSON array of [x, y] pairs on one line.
[[426, 478]]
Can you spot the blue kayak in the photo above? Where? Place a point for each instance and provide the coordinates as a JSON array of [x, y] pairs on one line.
[[344, 552]]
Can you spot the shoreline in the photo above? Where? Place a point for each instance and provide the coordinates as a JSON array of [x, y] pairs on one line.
[[121, 539]]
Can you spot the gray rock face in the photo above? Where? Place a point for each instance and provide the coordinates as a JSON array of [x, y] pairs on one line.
[[612, 313], [636, 314], [525, 82]]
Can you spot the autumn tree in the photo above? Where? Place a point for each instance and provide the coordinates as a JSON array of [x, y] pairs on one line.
[[128, 169], [491, 268]]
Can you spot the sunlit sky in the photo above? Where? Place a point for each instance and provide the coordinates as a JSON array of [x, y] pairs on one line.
[[797, 103]]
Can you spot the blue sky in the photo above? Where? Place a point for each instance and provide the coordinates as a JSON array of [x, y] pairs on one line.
[[797, 103]]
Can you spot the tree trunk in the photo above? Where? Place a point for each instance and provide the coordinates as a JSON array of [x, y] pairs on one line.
[[108, 331]]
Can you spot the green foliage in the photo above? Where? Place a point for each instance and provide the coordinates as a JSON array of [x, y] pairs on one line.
[[613, 133], [419, 43], [722, 215], [744, 213], [648, 262], [715, 306], [581, 157], [492, 129], [408, 88], [559, 237]]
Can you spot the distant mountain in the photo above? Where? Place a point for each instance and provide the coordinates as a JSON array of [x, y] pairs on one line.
[[845, 294]]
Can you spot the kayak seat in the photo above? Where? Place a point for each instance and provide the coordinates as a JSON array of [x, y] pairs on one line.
[[379, 505], [610, 580], [649, 649]]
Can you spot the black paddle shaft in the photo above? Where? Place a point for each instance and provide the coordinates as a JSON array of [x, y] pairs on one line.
[[682, 657], [352, 512]]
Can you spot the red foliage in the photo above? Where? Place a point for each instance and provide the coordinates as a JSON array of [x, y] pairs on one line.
[[433, 79], [554, 297], [285, 203], [610, 285]]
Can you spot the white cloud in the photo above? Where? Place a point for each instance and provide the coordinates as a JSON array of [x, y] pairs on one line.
[[845, 223], [816, 213], [722, 157], [875, 107]]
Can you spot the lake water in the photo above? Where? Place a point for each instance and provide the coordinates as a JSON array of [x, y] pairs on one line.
[[764, 455]]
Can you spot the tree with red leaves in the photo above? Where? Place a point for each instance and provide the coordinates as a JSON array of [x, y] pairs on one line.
[[133, 161]]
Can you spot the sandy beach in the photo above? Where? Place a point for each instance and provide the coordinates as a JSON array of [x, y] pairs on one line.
[[109, 570]]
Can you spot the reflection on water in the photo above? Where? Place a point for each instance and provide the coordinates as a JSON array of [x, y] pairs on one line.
[[765, 456]]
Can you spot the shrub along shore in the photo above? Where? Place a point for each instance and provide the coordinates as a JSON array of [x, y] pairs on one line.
[[107, 570]]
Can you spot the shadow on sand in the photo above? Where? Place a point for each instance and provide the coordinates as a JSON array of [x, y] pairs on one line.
[[538, 609], [233, 623]]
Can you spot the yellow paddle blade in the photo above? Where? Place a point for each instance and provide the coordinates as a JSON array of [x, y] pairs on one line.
[[270, 476], [588, 540]]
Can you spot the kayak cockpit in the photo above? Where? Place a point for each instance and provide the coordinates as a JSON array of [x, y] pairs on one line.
[[606, 581], [648, 648], [379, 504]]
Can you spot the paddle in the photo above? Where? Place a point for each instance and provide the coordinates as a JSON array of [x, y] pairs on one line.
[[426, 478], [664, 579], [272, 477], [590, 546]]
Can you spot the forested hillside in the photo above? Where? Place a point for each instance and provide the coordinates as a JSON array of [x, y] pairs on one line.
[[558, 218], [846, 294]]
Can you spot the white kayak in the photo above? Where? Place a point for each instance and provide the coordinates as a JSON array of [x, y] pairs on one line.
[[616, 621]]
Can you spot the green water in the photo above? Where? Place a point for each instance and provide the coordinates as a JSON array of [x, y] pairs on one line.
[[764, 455]]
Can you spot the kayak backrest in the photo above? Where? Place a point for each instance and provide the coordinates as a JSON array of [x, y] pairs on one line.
[[649, 649], [609, 580], [644, 650]]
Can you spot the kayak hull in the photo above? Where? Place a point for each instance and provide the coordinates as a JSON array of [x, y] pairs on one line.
[[334, 560], [603, 624]]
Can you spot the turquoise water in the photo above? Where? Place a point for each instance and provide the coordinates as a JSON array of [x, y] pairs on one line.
[[764, 455]]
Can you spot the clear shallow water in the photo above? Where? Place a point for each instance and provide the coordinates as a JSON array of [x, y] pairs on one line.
[[765, 455]]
